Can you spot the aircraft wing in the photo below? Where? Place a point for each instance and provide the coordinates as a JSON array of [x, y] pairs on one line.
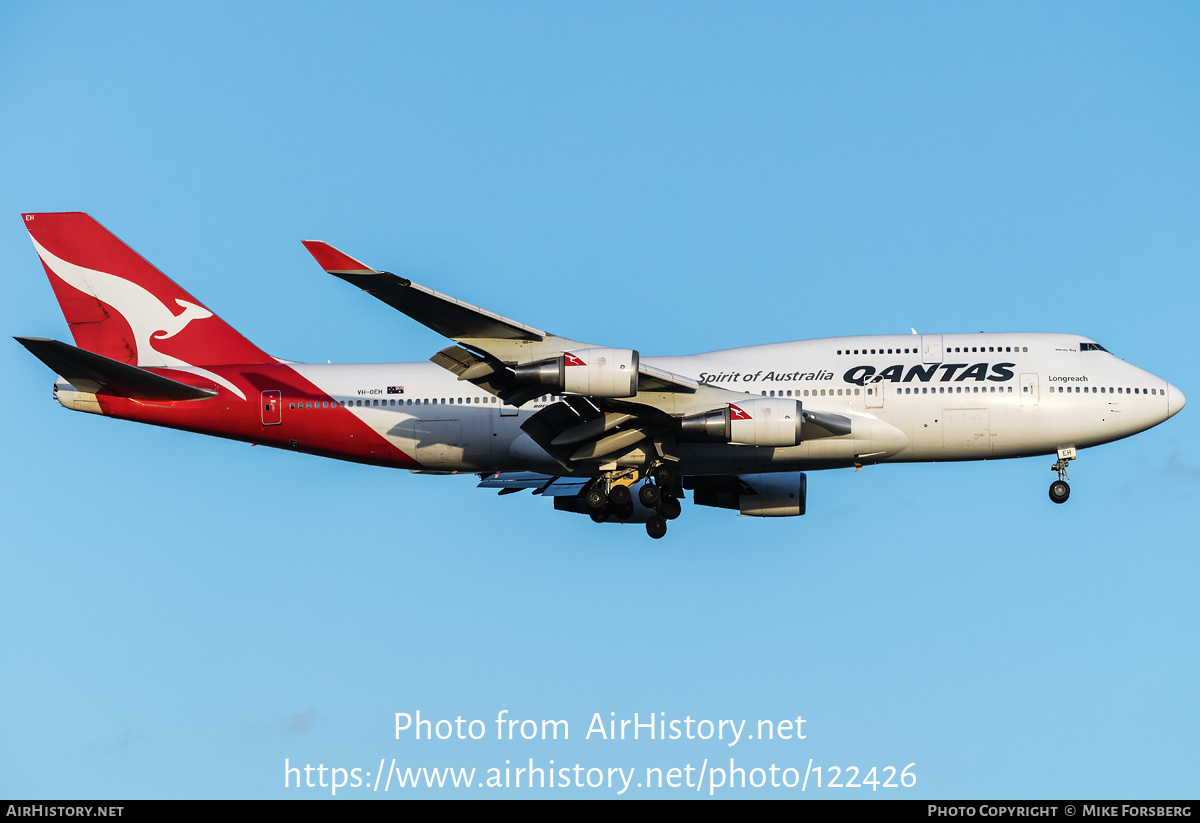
[[444, 314], [546, 485], [611, 402], [492, 339]]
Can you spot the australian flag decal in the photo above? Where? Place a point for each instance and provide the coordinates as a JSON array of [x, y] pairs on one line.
[[395, 390]]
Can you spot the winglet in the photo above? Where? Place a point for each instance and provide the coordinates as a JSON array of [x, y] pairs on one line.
[[335, 261]]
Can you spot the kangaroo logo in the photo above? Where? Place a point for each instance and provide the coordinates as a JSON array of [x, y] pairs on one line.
[[148, 317]]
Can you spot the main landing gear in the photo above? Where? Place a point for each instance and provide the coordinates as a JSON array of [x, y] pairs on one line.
[[610, 496], [1059, 490]]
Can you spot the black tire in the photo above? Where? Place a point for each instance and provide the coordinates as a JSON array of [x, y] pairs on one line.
[[623, 512], [663, 475], [599, 516], [669, 507], [1059, 491], [619, 496], [649, 495], [596, 499], [656, 527]]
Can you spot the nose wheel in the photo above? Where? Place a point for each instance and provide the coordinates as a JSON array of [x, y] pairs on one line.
[[1059, 490]]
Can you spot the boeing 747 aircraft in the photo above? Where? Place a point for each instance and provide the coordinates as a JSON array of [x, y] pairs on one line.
[[603, 431]]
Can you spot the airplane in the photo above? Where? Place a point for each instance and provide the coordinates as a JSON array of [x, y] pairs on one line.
[[602, 431]]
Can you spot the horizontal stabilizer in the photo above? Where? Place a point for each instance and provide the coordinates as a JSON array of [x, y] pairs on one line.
[[91, 372]]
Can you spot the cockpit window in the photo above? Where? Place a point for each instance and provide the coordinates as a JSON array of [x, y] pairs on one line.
[[1091, 347]]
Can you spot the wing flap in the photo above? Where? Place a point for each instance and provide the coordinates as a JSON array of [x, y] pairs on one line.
[[546, 485], [656, 379]]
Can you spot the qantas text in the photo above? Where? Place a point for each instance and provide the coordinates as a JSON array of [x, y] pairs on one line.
[[861, 375]]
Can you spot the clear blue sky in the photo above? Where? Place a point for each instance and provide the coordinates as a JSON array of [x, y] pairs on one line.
[[181, 614]]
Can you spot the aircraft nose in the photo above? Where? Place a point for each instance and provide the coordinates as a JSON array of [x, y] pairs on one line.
[[1175, 400]]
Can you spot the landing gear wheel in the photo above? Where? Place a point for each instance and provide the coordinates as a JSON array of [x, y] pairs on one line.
[[649, 495], [619, 496], [669, 508], [1059, 491], [599, 516], [596, 499], [656, 527], [623, 512], [663, 474]]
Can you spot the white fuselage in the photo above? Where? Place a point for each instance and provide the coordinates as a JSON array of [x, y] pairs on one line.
[[909, 398]]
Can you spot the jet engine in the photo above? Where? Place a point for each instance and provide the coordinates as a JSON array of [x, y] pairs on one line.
[[782, 494], [756, 421], [590, 372]]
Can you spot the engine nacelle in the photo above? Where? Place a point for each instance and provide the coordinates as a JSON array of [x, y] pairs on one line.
[[757, 421], [590, 372], [783, 494]]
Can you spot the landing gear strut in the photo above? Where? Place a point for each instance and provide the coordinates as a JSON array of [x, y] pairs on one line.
[[662, 497], [1059, 490]]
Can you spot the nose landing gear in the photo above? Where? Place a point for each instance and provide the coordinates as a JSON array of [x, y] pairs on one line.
[[1059, 490]]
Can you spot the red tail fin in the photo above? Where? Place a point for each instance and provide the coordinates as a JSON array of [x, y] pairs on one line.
[[120, 306]]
